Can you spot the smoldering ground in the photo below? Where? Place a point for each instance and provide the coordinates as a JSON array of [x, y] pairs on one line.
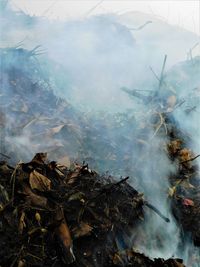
[[87, 62]]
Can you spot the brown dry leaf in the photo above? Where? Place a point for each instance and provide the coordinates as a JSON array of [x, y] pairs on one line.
[[21, 263], [59, 173], [117, 259], [63, 233], [39, 181], [4, 167], [40, 158], [77, 196], [71, 177], [178, 264], [174, 146], [185, 154], [4, 194], [83, 230], [129, 254], [22, 223], [34, 199]]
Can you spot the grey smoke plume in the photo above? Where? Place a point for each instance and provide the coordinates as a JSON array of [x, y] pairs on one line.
[[87, 62]]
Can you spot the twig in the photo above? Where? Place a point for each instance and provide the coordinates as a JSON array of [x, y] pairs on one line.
[[4, 155], [162, 122], [13, 178], [136, 93], [17, 256], [162, 72], [31, 255], [93, 8], [179, 104], [190, 159], [140, 27], [157, 211], [154, 73], [104, 190]]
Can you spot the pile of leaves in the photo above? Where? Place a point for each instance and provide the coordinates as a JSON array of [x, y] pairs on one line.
[[32, 111], [55, 216], [185, 186], [184, 191]]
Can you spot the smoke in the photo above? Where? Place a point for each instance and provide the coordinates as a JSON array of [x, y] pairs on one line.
[[86, 62], [102, 48], [184, 77]]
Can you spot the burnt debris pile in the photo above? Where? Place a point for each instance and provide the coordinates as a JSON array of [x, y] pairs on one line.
[[60, 213], [32, 111], [184, 180], [185, 187], [53, 216]]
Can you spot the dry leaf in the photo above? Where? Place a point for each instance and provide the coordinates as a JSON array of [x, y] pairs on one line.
[[63, 233], [185, 154], [37, 217], [22, 223], [40, 158], [76, 196], [71, 177], [83, 230], [39, 181], [21, 263], [172, 191], [117, 259], [34, 199], [174, 146]]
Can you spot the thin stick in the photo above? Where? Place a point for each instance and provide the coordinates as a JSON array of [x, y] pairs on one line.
[[140, 27], [4, 155], [162, 72], [93, 8], [157, 211], [162, 122], [12, 180], [17, 256], [104, 190], [154, 73], [190, 159]]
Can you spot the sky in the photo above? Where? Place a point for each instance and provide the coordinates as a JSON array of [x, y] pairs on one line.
[[182, 13]]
